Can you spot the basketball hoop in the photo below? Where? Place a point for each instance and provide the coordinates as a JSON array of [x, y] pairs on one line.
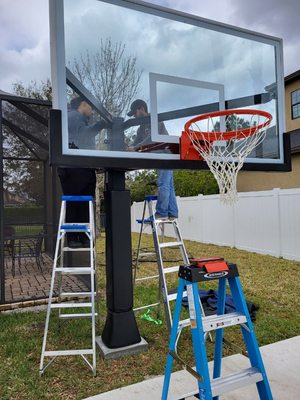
[[224, 139]]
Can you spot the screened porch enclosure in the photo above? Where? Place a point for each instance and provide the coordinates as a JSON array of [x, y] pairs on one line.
[[28, 201]]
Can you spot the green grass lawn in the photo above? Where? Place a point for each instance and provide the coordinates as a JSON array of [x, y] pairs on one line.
[[272, 283], [27, 229]]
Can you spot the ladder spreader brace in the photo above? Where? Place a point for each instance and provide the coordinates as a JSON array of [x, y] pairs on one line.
[[204, 270]]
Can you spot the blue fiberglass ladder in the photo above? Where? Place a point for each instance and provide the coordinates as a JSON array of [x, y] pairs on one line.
[[208, 389], [79, 298]]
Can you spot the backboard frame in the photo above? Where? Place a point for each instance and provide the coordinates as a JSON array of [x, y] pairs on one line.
[[154, 78], [62, 155]]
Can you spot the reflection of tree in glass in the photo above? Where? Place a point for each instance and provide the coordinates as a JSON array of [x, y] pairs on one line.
[[113, 78], [232, 122], [110, 75]]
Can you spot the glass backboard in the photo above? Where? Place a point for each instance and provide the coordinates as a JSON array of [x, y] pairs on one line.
[[111, 53]]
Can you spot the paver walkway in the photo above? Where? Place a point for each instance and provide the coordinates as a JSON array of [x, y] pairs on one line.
[[30, 283]]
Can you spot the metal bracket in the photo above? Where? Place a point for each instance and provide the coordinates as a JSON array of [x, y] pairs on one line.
[[235, 347], [185, 366]]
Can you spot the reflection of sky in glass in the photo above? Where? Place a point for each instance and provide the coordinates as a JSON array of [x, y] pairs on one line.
[[169, 47], [245, 67], [172, 97]]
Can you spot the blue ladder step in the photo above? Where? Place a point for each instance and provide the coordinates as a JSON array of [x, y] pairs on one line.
[[145, 221], [149, 197], [72, 227]]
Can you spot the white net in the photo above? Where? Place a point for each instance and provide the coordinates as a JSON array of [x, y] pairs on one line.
[[224, 142]]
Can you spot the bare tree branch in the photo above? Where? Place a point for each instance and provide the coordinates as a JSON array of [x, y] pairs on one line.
[[110, 75]]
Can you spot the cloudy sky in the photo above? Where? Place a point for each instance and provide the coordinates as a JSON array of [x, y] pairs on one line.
[[24, 31]]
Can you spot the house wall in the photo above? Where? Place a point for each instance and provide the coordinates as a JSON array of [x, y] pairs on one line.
[[291, 124], [253, 180]]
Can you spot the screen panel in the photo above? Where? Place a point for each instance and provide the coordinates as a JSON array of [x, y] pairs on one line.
[[114, 52]]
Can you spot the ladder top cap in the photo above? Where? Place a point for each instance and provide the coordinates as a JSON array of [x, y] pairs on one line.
[[193, 273], [77, 198]]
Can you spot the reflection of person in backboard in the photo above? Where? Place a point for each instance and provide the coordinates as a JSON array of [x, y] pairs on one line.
[[143, 137], [166, 206], [82, 135], [79, 181]]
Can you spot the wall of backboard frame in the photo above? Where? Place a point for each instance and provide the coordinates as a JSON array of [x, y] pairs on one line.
[[187, 65]]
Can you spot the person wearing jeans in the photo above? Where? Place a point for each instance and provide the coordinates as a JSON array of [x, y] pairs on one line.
[[166, 206]]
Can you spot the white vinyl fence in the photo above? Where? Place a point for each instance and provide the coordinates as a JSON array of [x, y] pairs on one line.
[[266, 222]]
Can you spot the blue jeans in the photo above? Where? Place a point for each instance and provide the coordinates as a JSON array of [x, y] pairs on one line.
[[166, 201]]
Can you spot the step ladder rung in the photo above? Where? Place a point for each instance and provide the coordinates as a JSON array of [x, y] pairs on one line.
[[170, 244], [213, 322], [79, 352], [147, 306], [184, 322], [77, 294], [75, 270], [235, 381], [169, 270], [74, 230], [164, 221], [70, 227], [146, 254], [145, 278], [173, 296], [70, 305], [79, 315], [76, 249]]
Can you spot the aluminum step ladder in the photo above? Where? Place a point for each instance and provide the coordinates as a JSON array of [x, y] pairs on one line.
[[60, 271], [159, 245], [208, 389]]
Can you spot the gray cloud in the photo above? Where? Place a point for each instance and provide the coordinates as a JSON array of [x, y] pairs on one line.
[[24, 41], [24, 35], [273, 17]]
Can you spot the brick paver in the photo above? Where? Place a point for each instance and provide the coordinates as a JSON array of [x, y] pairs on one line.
[[30, 283]]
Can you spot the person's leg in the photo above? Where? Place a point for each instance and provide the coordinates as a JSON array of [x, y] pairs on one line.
[[173, 208], [163, 185]]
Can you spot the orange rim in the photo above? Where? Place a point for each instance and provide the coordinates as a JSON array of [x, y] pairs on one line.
[[236, 134]]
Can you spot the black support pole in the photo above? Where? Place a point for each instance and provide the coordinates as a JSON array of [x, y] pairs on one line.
[[2, 271], [120, 328], [115, 135]]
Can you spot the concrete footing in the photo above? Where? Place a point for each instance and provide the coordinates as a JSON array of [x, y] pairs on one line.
[[108, 353]]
